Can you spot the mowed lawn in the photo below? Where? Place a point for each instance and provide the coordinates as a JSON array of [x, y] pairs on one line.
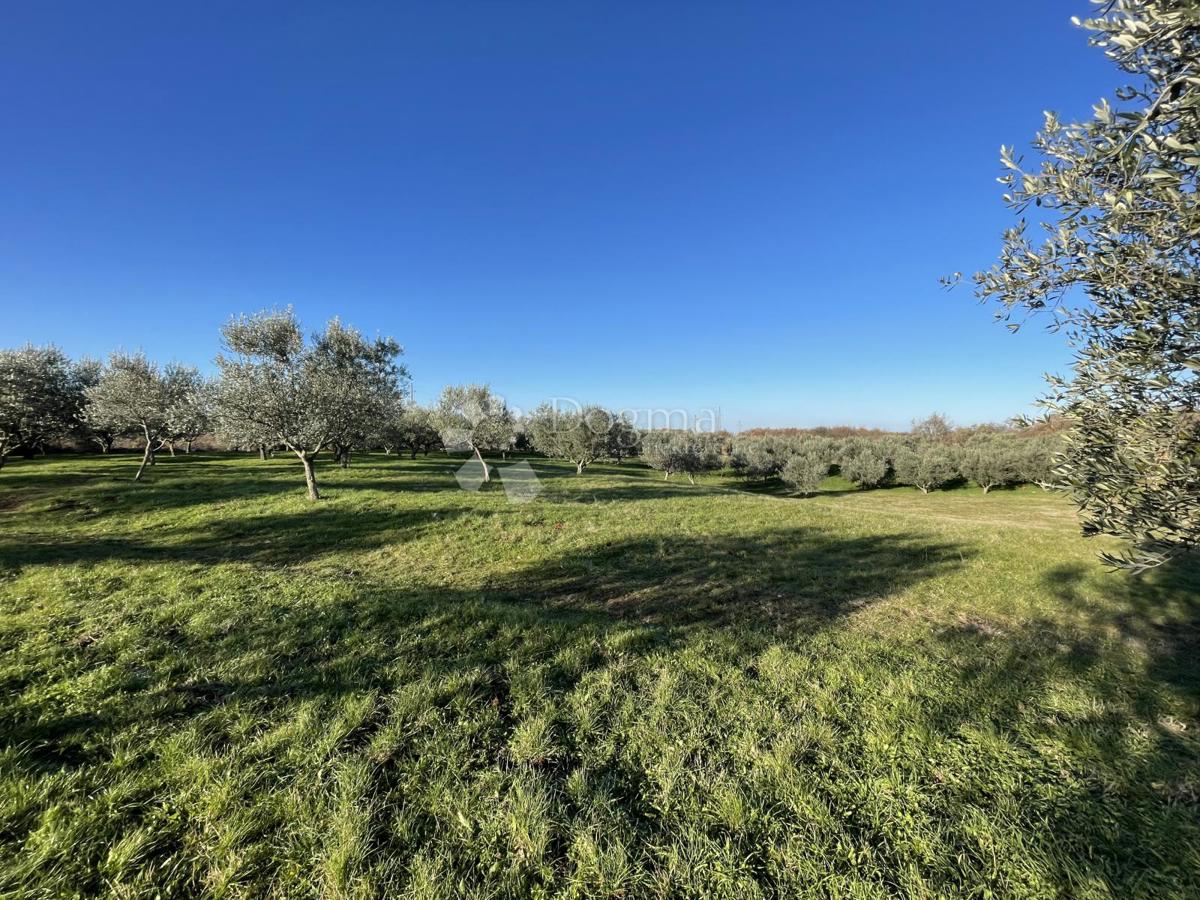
[[627, 688]]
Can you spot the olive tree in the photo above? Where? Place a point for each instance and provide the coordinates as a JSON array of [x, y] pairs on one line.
[[1117, 268], [687, 452], [102, 435], [926, 465], [581, 436], [409, 427], [41, 397], [1038, 461], [276, 388], [864, 463], [759, 456], [804, 471], [472, 418], [990, 463], [624, 439], [134, 395], [191, 411]]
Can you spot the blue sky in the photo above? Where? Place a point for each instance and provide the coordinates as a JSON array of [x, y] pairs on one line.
[[680, 205]]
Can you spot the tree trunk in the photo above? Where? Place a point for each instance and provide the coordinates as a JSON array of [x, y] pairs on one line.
[[262, 451], [666, 474], [147, 459], [171, 447], [414, 453], [310, 477], [578, 468], [691, 478], [986, 487], [188, 448], [487, 476]]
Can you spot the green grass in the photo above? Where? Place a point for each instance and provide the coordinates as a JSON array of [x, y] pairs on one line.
[[627, 688]]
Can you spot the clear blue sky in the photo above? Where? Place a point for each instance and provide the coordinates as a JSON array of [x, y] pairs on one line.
[[690, 204]]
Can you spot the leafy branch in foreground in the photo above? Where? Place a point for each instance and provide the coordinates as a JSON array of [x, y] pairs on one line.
[[1118, 268]]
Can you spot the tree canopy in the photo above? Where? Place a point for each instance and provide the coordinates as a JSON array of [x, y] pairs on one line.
[[277, 388], [471, 417], [1117, 268], [41, 397]]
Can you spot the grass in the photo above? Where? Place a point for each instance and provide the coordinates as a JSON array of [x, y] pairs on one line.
[[627, 688]]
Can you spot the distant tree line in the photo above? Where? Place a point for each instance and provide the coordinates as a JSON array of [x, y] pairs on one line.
[[336, 391], [933, 455]]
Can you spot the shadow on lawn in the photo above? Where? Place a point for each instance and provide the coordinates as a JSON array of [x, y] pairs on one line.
[[654, 593], [105, 483], [1157, 614], [1115, 695], [1109, 811], [276, 539]]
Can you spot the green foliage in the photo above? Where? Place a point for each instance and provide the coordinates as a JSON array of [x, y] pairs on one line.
[[991, 463], [277, 389], [1118, 269], [628, 688], [688, 452], [863, 462], [41, 397], [804, 471], [581, 435], [408, 427], [471, 417], [925, 464], [135, 395], [624, 438]]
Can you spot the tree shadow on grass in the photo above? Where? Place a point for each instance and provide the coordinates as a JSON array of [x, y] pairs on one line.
[[1156, 614], [103, 484], [1039, 727], [276, 539], [1109, 702], [657, 591]]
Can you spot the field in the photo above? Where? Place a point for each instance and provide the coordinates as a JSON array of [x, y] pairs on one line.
[[627, 688]]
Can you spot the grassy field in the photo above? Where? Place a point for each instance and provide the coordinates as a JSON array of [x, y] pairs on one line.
[[627, 688]]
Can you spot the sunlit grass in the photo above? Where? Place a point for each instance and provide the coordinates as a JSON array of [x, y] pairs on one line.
[[625, 688]]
